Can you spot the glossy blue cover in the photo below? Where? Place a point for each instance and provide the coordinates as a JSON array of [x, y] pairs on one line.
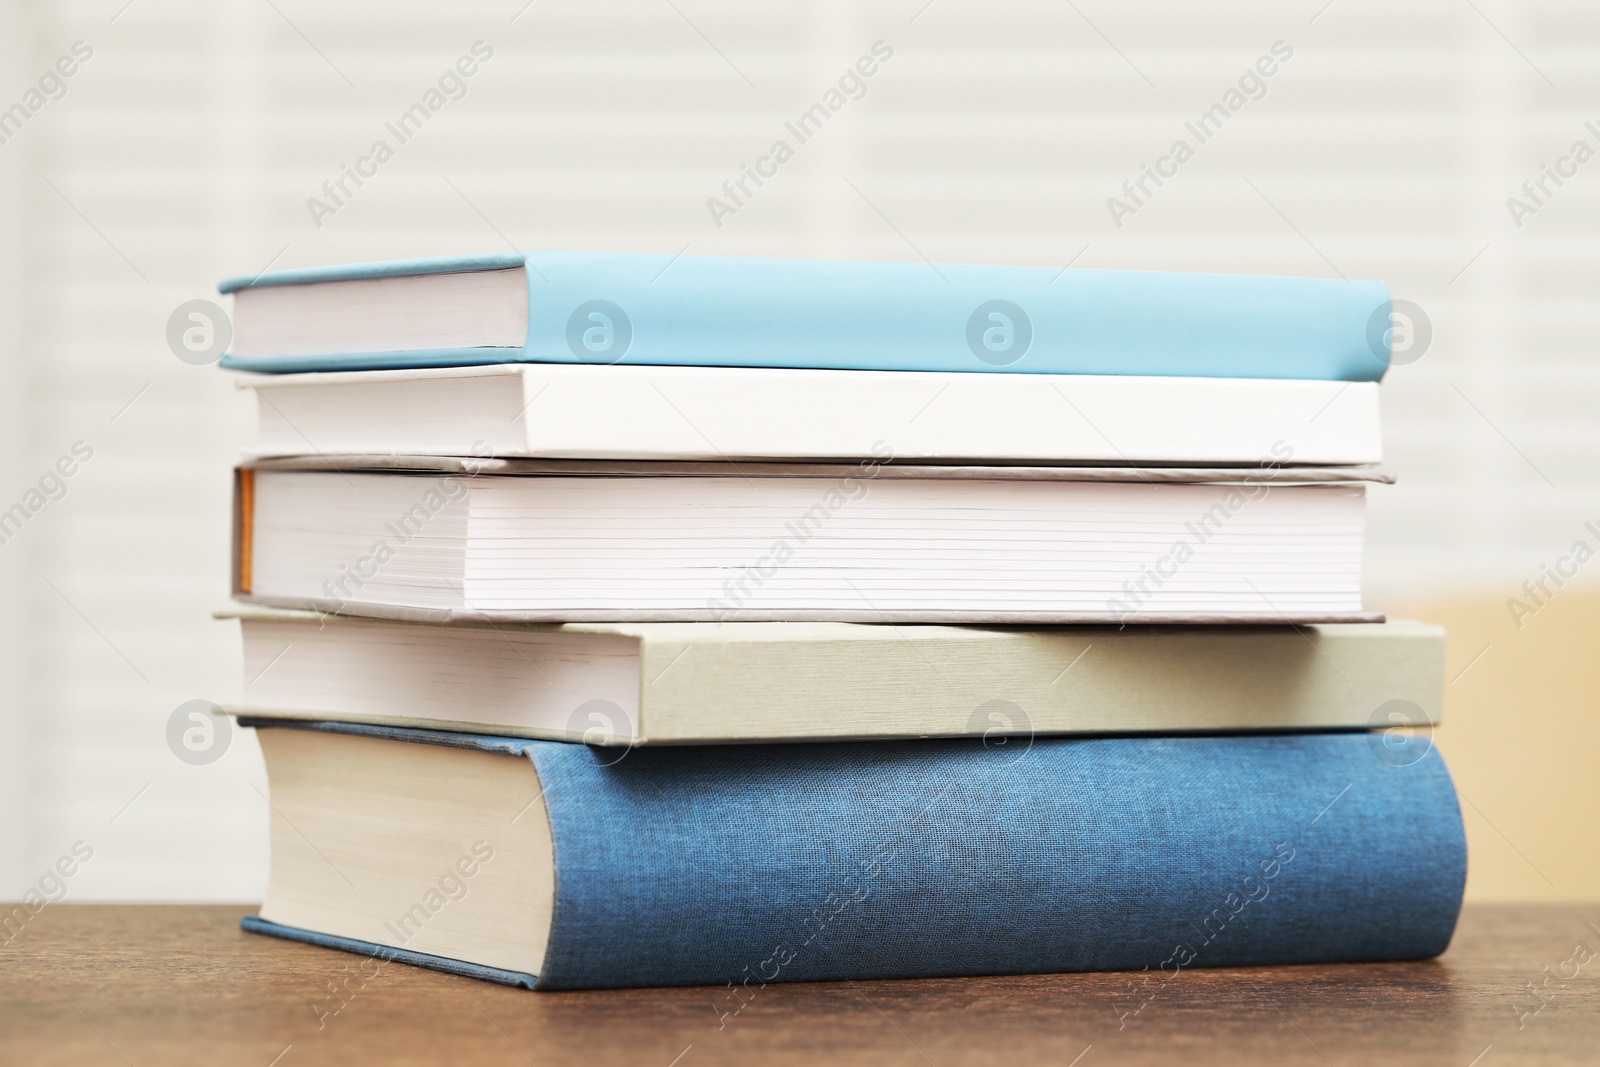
[[749, 864], [592, 307]]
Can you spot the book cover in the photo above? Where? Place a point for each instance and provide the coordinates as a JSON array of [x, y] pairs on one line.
[[739, 866]]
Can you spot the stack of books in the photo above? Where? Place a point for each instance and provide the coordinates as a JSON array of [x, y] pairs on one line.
[[626, 620]]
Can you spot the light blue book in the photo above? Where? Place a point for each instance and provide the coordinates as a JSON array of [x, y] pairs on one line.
[[560, 866], [587, 307]]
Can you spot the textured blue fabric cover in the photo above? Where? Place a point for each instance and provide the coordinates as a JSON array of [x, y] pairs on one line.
[[758, 863], [739, 312]]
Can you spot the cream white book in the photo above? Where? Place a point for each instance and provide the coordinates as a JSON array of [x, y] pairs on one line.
[[720, 413], [621, 684], [567, 541]]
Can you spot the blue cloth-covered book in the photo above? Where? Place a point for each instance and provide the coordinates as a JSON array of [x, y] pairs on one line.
[[560, 866], [587, 307]]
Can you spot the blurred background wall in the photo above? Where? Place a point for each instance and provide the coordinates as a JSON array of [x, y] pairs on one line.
[[189, 137]]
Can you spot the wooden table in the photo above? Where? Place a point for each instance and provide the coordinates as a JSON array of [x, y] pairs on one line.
[[140, 984]]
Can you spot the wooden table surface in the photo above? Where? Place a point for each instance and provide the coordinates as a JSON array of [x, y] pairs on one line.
[[142, 984]]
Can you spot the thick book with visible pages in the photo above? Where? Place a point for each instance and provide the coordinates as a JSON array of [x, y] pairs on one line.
[[575, 541], [738, 413], [699, 683], [592, 307], [561, 866]]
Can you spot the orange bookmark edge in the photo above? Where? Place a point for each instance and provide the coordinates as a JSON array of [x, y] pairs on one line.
[[244, 527]]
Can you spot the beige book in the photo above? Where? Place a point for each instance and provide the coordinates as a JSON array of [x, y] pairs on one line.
[[662, 683]]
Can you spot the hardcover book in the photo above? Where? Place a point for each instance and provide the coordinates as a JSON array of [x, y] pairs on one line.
[[575, 541], [562, 866], [700, 683], [738, 413], [592, 307]]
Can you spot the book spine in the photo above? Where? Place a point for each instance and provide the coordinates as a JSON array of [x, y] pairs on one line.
[[742, 866]]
